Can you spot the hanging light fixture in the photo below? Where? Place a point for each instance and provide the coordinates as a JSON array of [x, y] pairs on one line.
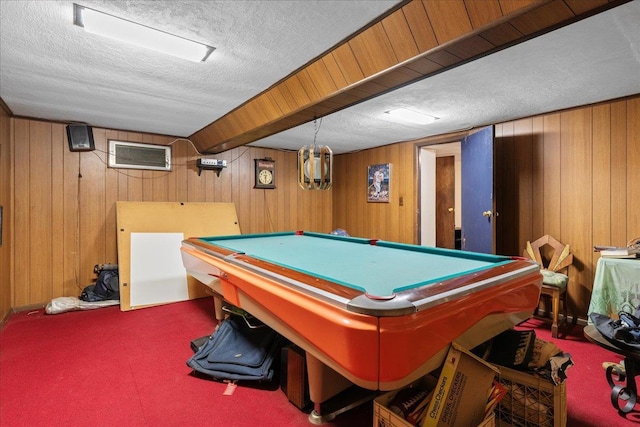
[[315, 164]]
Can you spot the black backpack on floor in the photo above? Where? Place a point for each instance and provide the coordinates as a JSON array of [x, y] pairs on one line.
[[107, 286]]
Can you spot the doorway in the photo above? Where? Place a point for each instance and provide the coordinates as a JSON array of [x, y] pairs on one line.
[[474, 210], [440, 195]]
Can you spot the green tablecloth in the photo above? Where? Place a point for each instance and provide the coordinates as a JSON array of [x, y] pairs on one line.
[[616, 286]]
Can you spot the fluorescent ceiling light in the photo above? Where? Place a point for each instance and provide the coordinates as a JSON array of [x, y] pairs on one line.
[[127, 31], [411, 116]]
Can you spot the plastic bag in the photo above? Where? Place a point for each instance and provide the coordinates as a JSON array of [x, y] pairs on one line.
[[64, 304]]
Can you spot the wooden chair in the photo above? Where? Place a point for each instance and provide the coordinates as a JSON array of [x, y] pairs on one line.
[[555, 273]]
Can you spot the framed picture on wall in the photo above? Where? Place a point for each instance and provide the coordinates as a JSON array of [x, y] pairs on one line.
[[379, 183]]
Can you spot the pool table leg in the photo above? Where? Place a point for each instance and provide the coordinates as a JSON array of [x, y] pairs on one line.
[[331, 393], [324, 382], [217, 306]]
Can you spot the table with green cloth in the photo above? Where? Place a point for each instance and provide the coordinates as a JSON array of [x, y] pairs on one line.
[[616, 286]]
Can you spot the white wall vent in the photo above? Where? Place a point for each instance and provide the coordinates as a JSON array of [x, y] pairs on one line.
[[132, 155]]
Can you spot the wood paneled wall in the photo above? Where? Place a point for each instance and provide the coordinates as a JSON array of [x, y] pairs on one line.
[[65, 202], [573, 174], [393, 221], [6, 203]]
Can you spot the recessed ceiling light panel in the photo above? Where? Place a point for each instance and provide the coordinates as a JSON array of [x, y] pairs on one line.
[[411, 116], [106, 25]]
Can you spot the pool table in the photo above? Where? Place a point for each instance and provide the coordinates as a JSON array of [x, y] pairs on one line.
[[373, 313]]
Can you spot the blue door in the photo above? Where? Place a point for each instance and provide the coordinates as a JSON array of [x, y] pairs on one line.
[[478, 229]]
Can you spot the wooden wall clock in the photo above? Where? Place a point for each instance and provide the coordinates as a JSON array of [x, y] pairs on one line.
[[265, 173]]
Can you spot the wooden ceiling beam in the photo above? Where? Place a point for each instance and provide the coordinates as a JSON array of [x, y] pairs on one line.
[[417, 40]]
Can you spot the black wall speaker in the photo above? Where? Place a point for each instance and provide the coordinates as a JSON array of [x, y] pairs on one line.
[[80, 137]]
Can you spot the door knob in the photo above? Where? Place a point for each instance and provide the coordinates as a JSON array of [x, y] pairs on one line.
[[450, 209], [487, 214]]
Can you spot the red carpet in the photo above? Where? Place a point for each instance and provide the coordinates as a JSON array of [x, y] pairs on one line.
[[106, 367]]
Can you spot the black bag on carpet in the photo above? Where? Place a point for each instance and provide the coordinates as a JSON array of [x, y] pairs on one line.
[[623, 332], [107, 286], [237, 351]]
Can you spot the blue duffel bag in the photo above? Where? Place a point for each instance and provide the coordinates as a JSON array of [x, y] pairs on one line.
[[236, 351]]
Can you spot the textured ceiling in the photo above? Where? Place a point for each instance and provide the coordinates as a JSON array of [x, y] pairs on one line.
[[593, 60], [51, 69]]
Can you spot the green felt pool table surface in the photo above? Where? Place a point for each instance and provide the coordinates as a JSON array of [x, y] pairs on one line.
[[376, 267]]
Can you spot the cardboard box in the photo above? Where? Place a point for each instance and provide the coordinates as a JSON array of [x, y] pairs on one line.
[[384, 417], [459, 397]]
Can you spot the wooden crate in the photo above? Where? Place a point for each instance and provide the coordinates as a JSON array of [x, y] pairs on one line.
[[383, 417], [531, 401]]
